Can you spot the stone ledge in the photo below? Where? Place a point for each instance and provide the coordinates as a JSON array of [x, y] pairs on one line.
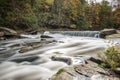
[[89, 71]]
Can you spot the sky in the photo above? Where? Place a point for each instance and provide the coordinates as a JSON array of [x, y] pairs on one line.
[[98, 0], [93, 0], [101, 0]]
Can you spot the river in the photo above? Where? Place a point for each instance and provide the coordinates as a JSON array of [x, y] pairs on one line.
[[33, 58]]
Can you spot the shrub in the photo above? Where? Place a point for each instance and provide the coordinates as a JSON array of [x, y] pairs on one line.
[[111, 58]]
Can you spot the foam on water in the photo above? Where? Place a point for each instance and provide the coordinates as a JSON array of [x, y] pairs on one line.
[[69, 48]]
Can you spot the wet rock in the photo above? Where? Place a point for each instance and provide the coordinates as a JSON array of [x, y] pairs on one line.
[[26, 58], [98, 61], [88, 71], [8, 30], [32, 31], [1, 34], [61, 42], [113, 36], [8, 33], [6, 53], [106, 32], [46, 36], [25, 49], [117, 70], [63, 59], [118, 31]]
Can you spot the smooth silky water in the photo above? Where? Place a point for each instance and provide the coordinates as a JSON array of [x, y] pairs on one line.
[[69, 46]]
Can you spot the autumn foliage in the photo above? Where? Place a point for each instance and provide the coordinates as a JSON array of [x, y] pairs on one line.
[[72, 14]]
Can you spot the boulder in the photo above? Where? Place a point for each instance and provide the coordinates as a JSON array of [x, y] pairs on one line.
[[46, 36], [62, 59], [113, 36], [106, 32], [7, 32], [88, 71]]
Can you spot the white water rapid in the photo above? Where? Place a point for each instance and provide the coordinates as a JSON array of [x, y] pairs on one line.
[[44, 57]]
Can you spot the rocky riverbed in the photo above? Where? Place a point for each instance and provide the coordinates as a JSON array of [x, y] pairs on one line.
[[36, 58], [88, 71]]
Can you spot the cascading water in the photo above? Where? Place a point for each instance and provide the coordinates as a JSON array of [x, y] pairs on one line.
[[46, 57], [79, 33]]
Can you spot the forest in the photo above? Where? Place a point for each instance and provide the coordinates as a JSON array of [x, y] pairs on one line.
[[58, 14]]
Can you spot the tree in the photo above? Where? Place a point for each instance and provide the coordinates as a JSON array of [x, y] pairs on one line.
[[93, 15], [105, 15], [77, 14], [100, 15], [17, 13], [66, 13], [116, 18]]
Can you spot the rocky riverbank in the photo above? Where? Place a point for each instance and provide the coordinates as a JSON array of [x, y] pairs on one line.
[[7, 33], [91, 70]]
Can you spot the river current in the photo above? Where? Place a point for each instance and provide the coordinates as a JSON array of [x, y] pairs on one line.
[[33, 58]]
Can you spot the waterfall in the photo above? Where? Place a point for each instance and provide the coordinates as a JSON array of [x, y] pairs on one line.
[[79, 33]]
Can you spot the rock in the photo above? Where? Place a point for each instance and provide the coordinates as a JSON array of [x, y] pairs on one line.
[[99, 77], [118, 31], [61, 41], [63, 59], [106, 32], [89, 71], [26, 58], [113, 36], [32, 31], [8, 33], [46, 36], [61, 77], [95, 60], [1, 34], [25, 49], [68, 73], [117, 70]]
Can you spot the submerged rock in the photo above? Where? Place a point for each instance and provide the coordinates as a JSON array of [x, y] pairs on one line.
[[26, 58], [25, 49]]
